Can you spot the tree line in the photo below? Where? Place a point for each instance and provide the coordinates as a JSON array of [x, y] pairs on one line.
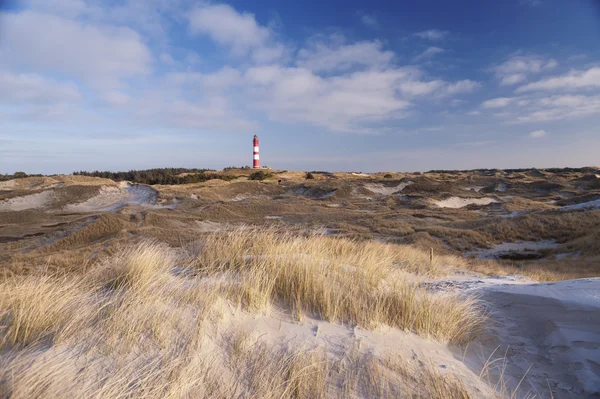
[[16, 175], [158, 175]]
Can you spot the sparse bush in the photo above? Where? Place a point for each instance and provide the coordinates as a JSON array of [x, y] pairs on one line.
[[259, 175], [387, 176], [309, 176], [17, 175]]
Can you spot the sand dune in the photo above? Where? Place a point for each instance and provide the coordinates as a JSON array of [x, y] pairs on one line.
[[113, 198]]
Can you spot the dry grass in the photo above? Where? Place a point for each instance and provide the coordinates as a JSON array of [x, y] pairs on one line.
[[360, 283], [148, 322]]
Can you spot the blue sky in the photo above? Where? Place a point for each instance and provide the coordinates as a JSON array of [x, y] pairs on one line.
[[327, 85]]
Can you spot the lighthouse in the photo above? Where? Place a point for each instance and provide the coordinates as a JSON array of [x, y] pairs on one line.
[[256, 163]]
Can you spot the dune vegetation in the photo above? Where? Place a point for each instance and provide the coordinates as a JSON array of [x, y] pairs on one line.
[[149, 321]]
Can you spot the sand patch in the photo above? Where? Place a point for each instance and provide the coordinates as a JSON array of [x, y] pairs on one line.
[[32, 201], [585, 205], [518, 248], [385, 190], [550, 328], [474, 188], [544, 334], [501, 187], [113, 198], [458, 202]]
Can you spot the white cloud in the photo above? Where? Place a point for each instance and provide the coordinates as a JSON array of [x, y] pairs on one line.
[[461, 87], [35, 89], [369, 20], [328, 56], [167, 59], [517, 68], [238, 31], [500, 102], [429, 53], [513, 79], [116, 98], [433, 34], [538, 134], [332, 83], [571, 81], [531, 3], [218, 80], [166, 108], [343, 103], [536, 109], [347, 103], [560, 108], [101, 55], [147, 16]]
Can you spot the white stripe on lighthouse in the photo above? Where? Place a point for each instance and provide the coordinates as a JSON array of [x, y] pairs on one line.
[[256, 156], [256, 149]]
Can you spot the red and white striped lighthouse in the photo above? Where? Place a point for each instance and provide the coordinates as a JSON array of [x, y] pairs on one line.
[[256, 163]]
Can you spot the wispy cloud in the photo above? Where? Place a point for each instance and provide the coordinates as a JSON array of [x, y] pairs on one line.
[[573, 80], [369, 20], [428, 54], [332, 54], [19, 88], [531, 3], [537, 109], [100, 54], [519, 68], [238, 31], [538, 134], [433, 34], [500, 102]]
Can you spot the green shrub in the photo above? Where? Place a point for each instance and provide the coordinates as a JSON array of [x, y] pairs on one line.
[[259, 175], [387, 176]]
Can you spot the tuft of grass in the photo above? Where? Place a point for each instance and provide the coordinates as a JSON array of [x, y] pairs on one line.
[[33, 308], [362, 284]]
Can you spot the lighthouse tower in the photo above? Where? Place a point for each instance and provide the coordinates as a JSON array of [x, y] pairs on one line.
[[256, 163]]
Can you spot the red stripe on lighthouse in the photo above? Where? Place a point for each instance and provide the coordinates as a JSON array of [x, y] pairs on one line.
[[256, 160]]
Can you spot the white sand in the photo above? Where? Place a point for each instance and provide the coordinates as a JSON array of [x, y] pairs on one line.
[[554, 328], [32, 201], [384, 190], [585, 205], [458, 202], [522, 247], [113, 198], [501, 187], [474, 188], [278, 329]]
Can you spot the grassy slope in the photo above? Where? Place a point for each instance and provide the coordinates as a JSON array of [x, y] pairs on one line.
[[148, 321]]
